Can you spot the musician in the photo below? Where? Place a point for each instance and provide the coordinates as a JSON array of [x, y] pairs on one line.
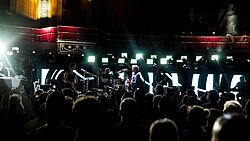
[[70, 78], [28, 68], [107, 80], [159, 78], [242, 89], [137, 81], [3, 70]]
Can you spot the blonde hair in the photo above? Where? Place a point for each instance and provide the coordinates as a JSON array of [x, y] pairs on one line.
[[135, 67]]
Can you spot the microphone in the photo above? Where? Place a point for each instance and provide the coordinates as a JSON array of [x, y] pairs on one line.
[[122, 70], [85, 71]]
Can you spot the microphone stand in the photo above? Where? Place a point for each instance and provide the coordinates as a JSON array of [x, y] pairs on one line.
[[90, 74]]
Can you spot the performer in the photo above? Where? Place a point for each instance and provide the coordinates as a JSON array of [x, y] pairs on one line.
[[242, 89], [70, 78], [3, 70], [107, 80], [159, 78], [27, 67], [137, 81]]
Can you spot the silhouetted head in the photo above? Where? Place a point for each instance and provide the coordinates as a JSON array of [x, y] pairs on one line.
[[231, 127], [163, 130]]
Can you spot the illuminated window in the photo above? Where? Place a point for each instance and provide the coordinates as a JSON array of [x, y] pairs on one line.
[[44, 9]]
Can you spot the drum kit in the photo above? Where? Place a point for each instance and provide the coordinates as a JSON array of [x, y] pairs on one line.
[[94, 82]]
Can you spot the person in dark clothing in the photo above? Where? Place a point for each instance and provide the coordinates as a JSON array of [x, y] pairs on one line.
[[159, 78], [55, 128], [3, 70], [130, 128], [70, 78], [107, 80], [27, 67], [242, 89]]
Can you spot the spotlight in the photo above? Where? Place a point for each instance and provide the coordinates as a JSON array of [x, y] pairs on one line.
[[163, 61], [124, 55], [15, 49], [150, 61], [105, 60], [121, 60], [168, 57], [133, 61], [153, 56], [197, 58], [215, 57], [91, 59], [139, 56]]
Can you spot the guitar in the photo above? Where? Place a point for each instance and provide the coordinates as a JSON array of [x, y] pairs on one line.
[[3, 72], [70, 85], [127, 84], [159, 82], [2, 75]]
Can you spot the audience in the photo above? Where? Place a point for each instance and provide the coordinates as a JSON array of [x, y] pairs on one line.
[[197, 120], [59, 114], [232, 106], [231, 127], [54, 129], [16, 119], [129, 129], [87, 118], [163, 130]]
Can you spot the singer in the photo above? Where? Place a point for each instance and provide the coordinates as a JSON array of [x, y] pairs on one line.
[[70, 78]]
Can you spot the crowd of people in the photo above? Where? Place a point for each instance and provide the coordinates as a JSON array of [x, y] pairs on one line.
[[122, 114]]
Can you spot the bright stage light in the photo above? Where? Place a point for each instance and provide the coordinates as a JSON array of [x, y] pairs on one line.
[[163, 61], [121, 60], [235, 80], [2, 48], [133, 61], [91, 59], [197, 58], [105, 60], [139, 56], [215, 57], [124, 55], [153, 56], [15, 49], [150, 61], [184, 57], [229, 57], [168, 57]]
